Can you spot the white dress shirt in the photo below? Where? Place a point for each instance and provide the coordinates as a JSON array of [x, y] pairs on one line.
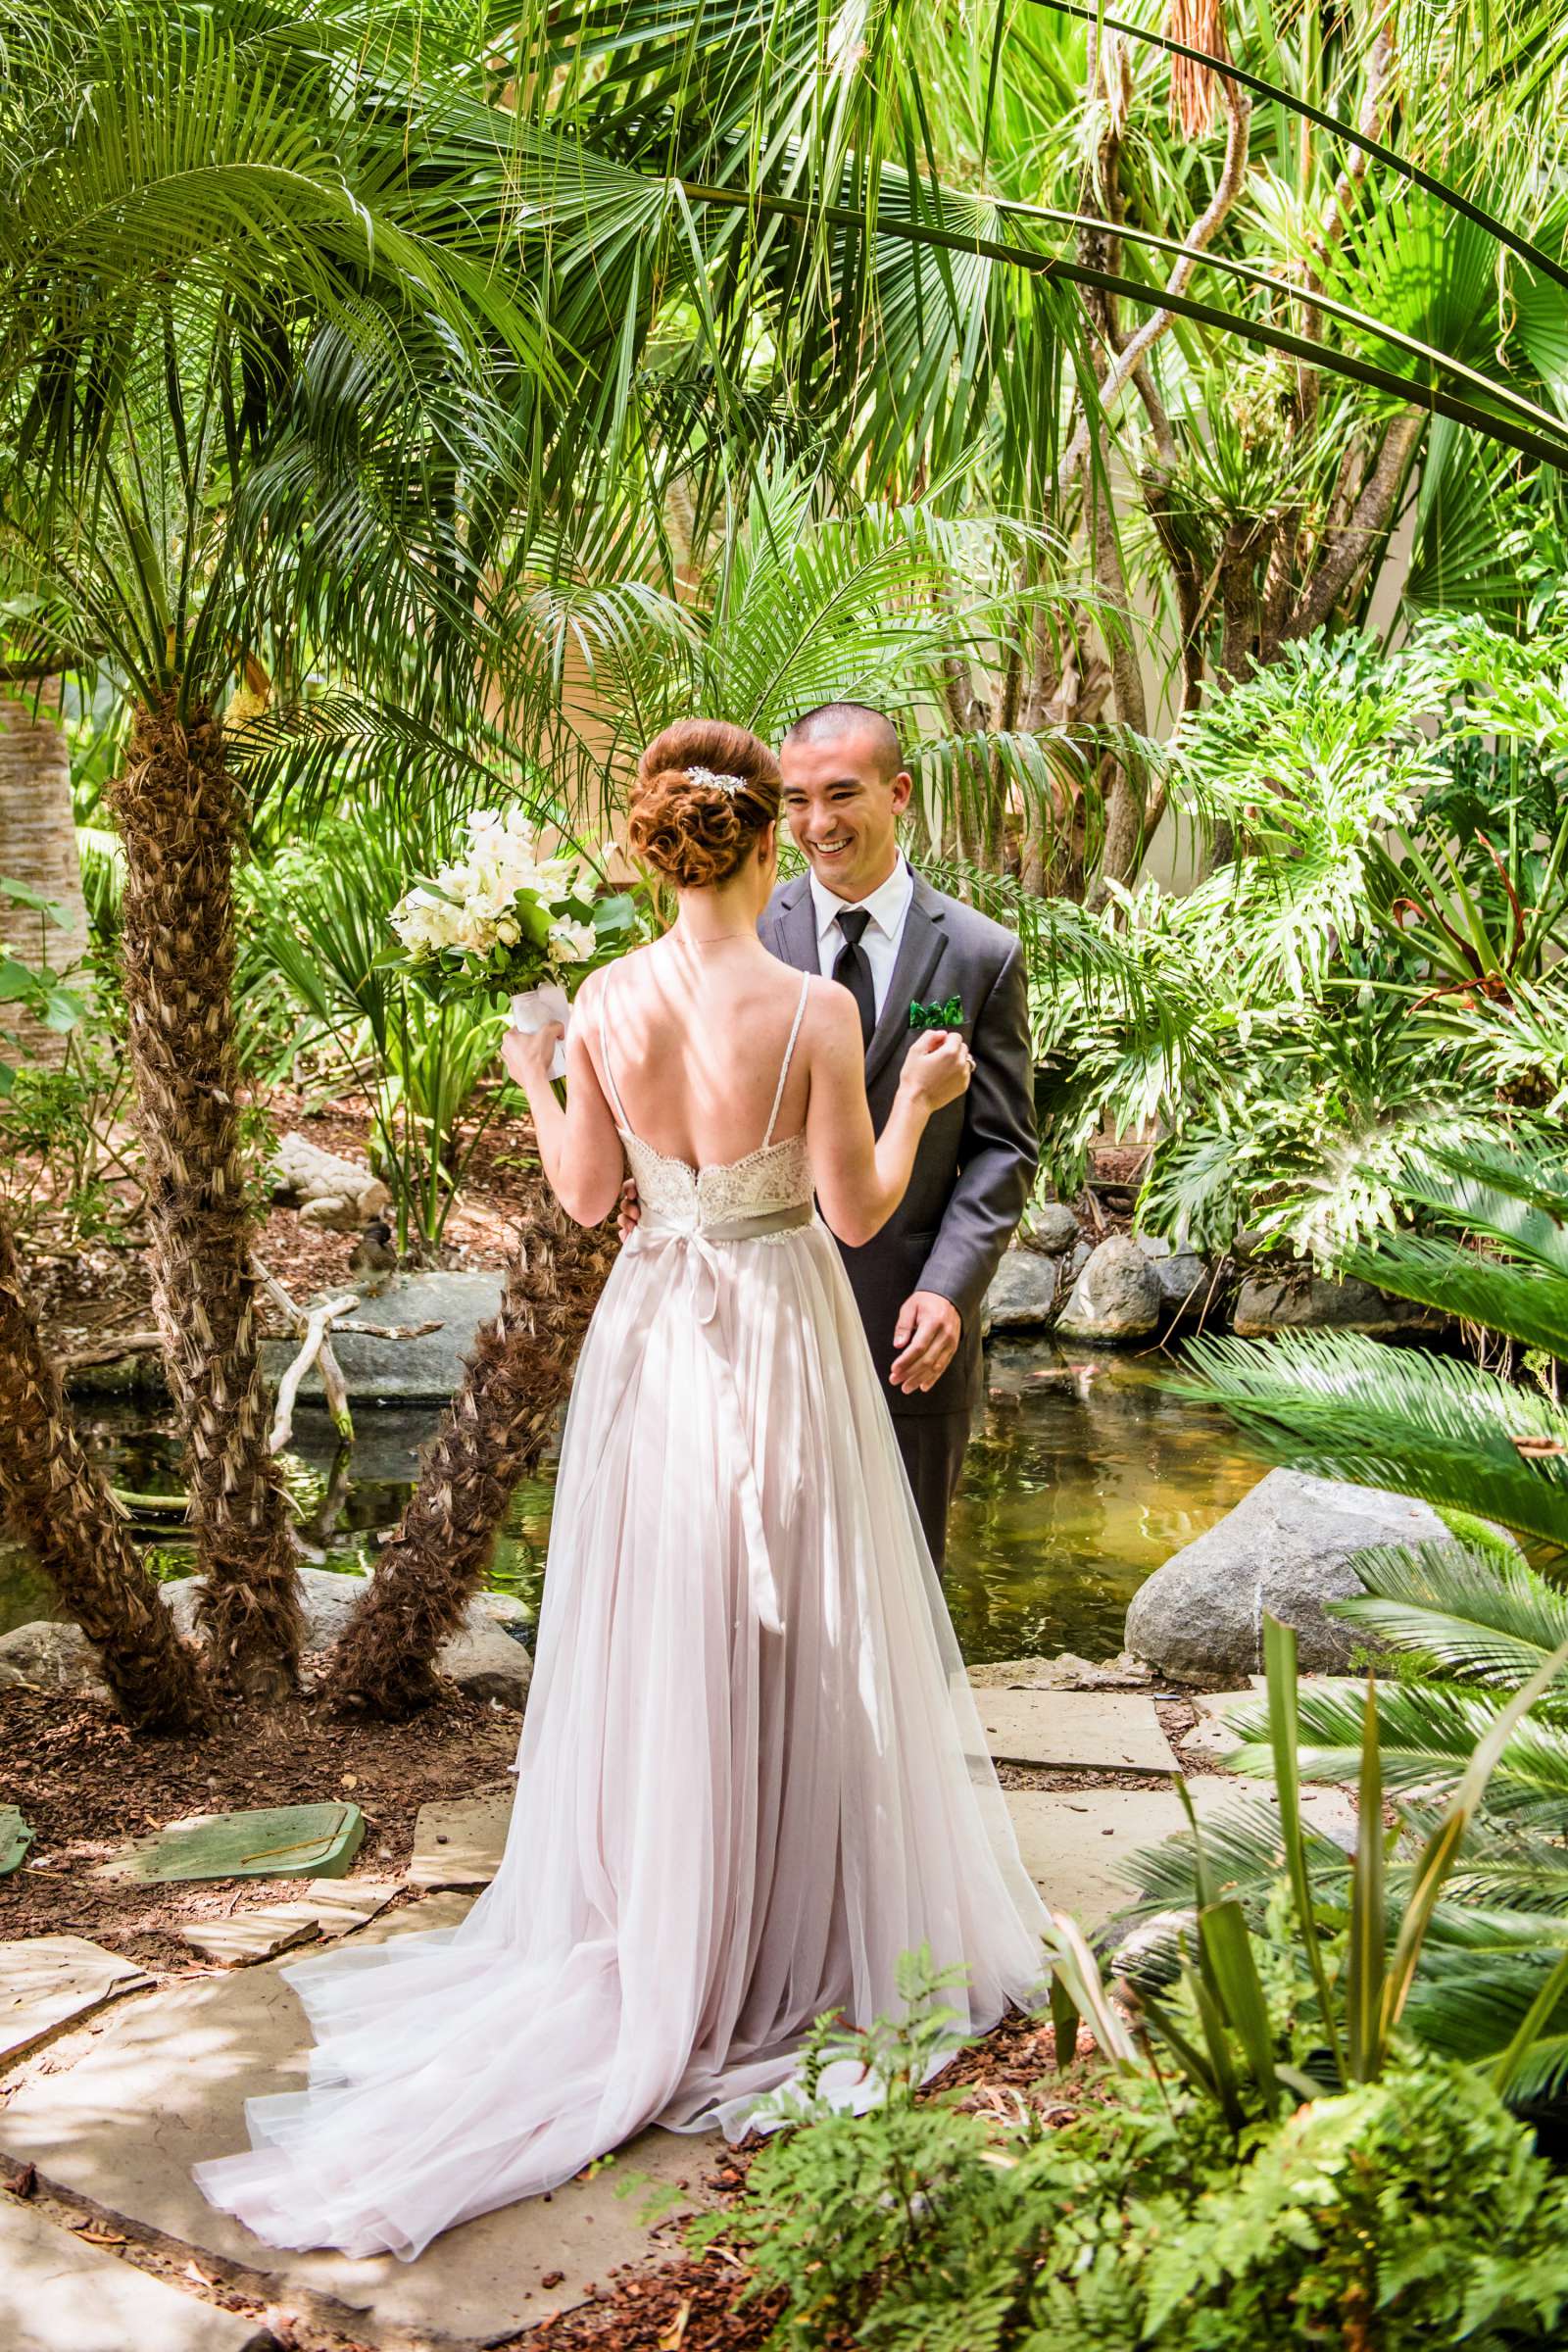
[[888, 907]]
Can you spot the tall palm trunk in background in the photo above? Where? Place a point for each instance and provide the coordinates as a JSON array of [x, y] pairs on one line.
[[493, 1435], [175, 806], [60, 1503], [38, 847]]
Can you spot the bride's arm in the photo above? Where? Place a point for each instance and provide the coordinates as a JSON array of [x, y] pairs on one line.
[[578, 1145], [860, 1177]]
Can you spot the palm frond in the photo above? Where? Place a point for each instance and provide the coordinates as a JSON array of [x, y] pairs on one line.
[[1348, 1408], [1480, 1617]]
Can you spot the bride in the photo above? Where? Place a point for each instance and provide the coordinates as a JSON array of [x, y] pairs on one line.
[[751, 1774]]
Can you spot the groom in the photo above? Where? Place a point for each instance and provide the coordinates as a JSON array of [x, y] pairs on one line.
[[910, 956]]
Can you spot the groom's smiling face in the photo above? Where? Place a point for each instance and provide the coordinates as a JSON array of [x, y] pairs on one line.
[[843, 809]]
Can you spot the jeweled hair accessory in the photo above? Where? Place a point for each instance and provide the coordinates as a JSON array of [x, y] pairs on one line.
[[707, 775]]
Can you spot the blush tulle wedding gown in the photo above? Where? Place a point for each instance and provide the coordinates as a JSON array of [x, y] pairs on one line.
[[750, 1775]]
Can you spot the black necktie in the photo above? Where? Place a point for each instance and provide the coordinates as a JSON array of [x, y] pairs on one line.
[[853, 970]]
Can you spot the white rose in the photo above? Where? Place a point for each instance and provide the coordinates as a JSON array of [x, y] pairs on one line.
[[573, 942]]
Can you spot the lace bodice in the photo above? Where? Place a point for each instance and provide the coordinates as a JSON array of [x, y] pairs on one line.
[[674, 1192], [677, 1197]]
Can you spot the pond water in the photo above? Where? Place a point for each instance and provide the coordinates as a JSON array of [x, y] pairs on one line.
[[1082, 1479]]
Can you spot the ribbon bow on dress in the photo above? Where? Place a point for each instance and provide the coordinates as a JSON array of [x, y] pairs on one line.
[[702, 1245]]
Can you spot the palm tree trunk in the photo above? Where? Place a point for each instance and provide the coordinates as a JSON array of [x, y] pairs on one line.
[[177, 813], [61, 1506], [493, 1435], [38, 847]]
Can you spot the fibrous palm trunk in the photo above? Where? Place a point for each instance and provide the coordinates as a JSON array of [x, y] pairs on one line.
[[60, 1504], [493, 1435], [177, 810]]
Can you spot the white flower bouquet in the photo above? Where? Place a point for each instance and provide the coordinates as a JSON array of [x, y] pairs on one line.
[[502, 920]]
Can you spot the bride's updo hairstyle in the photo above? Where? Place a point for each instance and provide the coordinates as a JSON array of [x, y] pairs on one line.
[[704, 792]]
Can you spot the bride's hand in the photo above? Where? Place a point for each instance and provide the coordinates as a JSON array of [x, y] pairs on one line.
[[937, 1068], [528, 1055]]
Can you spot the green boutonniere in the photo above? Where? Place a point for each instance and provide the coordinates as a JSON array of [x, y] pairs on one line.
[[937, 1017]]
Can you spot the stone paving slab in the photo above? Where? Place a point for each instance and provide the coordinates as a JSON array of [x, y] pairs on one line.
[[459, 1842], [163, 2086], [1211, 1735], [59, 2295], [45, 1981], [1097, 1730], [332, 1909], [1073, 1839]]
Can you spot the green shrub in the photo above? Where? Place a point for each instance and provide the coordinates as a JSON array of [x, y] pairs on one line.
[[1410, 2211]]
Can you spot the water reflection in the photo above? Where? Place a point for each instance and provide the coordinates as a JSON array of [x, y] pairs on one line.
[[1084, 1476]]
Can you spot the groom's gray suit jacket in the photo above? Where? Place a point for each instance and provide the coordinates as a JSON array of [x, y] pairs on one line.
[[977, 1158]]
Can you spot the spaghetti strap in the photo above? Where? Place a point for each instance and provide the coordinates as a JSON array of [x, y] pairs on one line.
[[613, 1092], [789, 1056]]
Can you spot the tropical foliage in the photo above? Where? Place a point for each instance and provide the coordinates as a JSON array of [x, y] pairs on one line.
[[1377, 972]]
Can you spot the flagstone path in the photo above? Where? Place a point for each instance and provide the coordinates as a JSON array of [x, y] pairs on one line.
[[114, 2105]]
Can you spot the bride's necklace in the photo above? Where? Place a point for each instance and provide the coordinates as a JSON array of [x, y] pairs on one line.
[[716, 938]]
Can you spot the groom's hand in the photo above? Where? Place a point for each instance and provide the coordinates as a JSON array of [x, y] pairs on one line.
[[926, 1335], [631, 1209]]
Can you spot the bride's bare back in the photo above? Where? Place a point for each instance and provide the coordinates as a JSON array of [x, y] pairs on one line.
[[697, 1039]]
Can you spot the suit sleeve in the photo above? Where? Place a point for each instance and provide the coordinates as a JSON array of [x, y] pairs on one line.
[[998, 1152]]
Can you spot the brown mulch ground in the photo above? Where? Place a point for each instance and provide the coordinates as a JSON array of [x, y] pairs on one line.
[[87, 1783]]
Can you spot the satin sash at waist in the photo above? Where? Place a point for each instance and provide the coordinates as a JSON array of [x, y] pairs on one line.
[[733, 1229]]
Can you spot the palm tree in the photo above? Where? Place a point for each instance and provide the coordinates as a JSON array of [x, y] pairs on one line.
[[239, 376], [60, 1502]]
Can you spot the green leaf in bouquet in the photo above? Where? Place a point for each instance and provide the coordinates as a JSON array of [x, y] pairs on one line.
[[532, 917], [614, 919]]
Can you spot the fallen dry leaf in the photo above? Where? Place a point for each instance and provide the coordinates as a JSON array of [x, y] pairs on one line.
[[99, 2238], [674, 2336], [1539, 1450]]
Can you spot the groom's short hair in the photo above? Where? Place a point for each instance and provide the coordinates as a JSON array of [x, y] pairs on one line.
[[850, 718]]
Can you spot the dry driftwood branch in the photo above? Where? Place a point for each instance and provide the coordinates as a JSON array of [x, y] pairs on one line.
[[334, 1385], [313, 1339]]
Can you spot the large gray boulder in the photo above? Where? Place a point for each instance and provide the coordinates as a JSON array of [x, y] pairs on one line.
[[1285, 1549], [1295, 1299], [1023, 1292], [424, 1368], [42, 1655], [1116, 1299]]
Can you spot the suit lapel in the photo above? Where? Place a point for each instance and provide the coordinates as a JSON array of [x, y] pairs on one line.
[[919, 953], [795, 929]]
